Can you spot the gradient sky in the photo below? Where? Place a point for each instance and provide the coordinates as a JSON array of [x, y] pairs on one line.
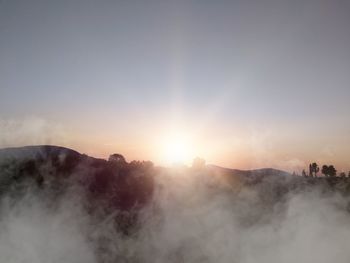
[[251, 83]]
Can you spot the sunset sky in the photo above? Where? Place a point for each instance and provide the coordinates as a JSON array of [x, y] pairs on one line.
[[244, 84]]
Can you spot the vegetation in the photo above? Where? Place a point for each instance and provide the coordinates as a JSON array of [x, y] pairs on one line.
[[327, 171], [118, 185], [313, 169]]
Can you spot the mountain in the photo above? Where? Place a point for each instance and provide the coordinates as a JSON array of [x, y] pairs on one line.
[[249, 173], [41, 151], [116, 185], [64, 155]]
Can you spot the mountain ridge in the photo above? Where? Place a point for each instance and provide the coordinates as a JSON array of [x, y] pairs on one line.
[[46, 150]]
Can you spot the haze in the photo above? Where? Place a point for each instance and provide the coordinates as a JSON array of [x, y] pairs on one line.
[[250, 83]]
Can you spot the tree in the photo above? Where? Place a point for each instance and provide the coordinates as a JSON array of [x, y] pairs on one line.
[[313, 169], [135, 164], [303, 173], [332, 171], [310, 170], [117, 158], [324, 170], [342, 174], [329, 171]]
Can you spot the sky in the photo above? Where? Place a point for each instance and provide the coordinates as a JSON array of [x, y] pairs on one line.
[[246, 84]]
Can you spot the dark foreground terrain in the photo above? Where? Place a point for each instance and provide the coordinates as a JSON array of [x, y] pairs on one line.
[[58, 205]]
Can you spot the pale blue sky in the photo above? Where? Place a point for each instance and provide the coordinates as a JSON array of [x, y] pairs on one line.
[[240, 67]]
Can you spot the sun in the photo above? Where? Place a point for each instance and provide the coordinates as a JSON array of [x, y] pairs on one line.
[[177, 149]]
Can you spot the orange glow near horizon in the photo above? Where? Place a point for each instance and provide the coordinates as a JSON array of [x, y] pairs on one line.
[[176, 149], [168, 143]]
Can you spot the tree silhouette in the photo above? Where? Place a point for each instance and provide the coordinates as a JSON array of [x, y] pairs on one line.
[[303, 173], [332, 171], [117, 158], [310, 170], [342, 174], [329, 171], [313, 169], [325, 170]]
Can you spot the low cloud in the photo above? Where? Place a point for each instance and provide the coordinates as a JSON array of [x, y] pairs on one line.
[[189, 219]]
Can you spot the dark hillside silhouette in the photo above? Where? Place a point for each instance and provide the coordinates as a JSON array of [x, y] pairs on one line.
[[127, 187]]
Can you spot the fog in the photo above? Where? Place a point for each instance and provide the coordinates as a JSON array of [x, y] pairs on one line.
[[192, 218]]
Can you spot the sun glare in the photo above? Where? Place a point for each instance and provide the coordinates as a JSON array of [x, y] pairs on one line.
[[177, 150]]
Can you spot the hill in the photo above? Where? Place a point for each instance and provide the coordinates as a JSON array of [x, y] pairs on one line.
[[118, 185]]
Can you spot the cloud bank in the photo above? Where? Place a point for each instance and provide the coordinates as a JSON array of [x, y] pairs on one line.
[[190, 219]]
